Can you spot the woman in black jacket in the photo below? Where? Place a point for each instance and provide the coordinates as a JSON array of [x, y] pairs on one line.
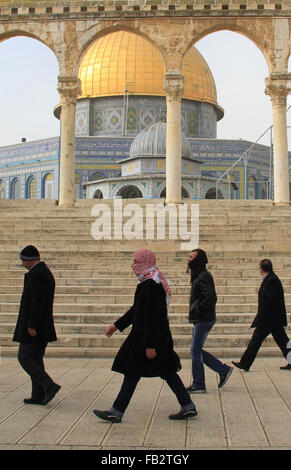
[[148, 349], [202, 314]]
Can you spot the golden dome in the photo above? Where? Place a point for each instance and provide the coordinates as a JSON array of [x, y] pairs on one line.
[[123, 60]]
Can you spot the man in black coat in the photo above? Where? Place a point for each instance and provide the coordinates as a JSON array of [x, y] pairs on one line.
[[148, 349], [35, 325], [271, 317]]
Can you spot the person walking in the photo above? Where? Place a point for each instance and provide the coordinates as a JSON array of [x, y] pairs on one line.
[[148, 349], [270, 319], [202, 314], [35, 325]]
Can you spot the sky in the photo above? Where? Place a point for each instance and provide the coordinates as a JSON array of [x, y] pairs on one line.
[[28, 88]]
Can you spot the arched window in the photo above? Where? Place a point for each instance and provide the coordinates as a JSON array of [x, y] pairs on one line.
[[211, 194], [184, 193], [15, 189], [98, 194], [129, 192], [31, 188], [264, 191], [252, 186], [2, 190], [48, 186]]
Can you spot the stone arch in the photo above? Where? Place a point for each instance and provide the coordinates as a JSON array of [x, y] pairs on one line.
[[30, 60], [254, 31], [44, 38]]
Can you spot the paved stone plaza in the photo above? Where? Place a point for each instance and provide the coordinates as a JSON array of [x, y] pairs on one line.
[[252, 411]]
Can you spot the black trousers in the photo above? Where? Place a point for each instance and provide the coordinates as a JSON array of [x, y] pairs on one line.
[[259, 334], [129, 385], [30, 357]]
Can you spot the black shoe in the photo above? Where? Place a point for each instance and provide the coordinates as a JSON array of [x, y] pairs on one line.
[[107, 416], [224, 377], [193, 389], [184, 414], [288, 367], [50, 393], [32, 401], [239, 366]]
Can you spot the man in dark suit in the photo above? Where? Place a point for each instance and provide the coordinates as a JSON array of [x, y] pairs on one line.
[[271, 317], [35, 325]]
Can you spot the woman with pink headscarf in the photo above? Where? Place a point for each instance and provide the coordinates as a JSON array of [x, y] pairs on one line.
[[148, 349]]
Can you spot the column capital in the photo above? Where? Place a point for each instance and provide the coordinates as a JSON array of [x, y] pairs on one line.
[[174, 86], [277, 87], [69, 88]]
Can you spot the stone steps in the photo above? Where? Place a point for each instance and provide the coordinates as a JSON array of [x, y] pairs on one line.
[[111, 299], [98, 346], [245, 275], [99, 340], [118, 309], [108, 318], [95, 284], [160, 245], [129, 291], [125, 282], [178, 329], [110, 352]]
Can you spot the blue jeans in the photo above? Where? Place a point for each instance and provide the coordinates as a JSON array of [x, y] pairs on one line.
[[200, 356]]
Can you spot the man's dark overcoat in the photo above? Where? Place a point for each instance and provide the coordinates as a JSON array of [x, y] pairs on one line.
[[271, 303], [36, 306], [202, 298], [150, 329]]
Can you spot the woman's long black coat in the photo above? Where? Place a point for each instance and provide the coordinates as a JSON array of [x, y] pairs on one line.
[[150, 329], [36, 306]]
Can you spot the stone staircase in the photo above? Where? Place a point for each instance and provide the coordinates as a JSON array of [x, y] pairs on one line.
[[95, 284]]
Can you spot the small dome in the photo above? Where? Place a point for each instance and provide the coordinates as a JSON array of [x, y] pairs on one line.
[[151, 142]]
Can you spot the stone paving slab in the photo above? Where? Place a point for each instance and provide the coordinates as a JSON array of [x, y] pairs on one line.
[[252, 411]]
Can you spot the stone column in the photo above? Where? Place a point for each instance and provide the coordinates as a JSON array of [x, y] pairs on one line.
[[69, 88], [174, 87], [277, 89]]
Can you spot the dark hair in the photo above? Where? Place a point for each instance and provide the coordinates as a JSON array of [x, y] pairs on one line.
[[197, 264], [266, 265], [202, 255]]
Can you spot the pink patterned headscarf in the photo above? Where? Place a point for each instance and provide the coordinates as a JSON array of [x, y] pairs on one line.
[[146, 268]]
